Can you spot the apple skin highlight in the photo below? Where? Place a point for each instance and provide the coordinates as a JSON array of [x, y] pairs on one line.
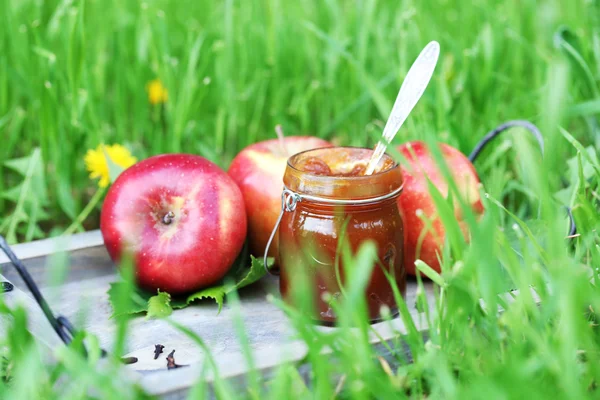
[[181, 218], [258, 171]]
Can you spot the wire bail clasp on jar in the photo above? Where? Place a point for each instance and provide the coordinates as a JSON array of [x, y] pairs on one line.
[[289, 200]]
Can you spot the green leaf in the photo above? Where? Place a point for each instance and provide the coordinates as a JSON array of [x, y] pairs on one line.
[[159, 306], [381, 101], [257, 271], [591, 107], [586, 155], [21, 165], [138, 300], [114, 170], [242, 279], [30, 197], [567, 41], [162, 305], [66, 200], [516, 240], [217, 293], [525, 228], [430, 273]]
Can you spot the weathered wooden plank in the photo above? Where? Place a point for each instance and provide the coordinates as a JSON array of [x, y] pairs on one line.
[[43, 247], [270, 335], [83, 299], [84, 254], [37, 323], [82, 264]]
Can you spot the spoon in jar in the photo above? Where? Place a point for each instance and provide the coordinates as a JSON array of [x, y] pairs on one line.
[[411, 91]]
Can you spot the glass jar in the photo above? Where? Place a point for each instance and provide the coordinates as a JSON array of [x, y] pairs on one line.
[[321, 211]]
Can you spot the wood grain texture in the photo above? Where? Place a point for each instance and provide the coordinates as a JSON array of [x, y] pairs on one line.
[[82, 264], [270, 335], [83, 299], [37, 323], [44, 247]]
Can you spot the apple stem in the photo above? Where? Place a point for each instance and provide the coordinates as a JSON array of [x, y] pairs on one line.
[[168, 218], [281, 136]]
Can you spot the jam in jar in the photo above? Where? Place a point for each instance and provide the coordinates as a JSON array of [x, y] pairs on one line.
[[330, 200]]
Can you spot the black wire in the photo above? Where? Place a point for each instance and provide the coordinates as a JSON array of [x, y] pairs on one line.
[[62, 327], [61, 324], [505, 126], [572, 226], [491, 135]]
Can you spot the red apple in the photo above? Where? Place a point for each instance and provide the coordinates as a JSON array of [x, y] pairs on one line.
[[258, 170], [180, 216], [415, 199]]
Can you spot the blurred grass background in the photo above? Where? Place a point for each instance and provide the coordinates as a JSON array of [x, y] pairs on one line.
[[73, 74]]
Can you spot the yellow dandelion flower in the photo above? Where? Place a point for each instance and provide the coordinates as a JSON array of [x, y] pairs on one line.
[[95, 161], [157, 92]]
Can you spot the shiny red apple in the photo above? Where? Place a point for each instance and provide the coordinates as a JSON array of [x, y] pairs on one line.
[[415, 200], [258, 170], [180, 216]]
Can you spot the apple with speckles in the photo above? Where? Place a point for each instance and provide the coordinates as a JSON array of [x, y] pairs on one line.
[[180, 217], [258, 170], [416, 204]]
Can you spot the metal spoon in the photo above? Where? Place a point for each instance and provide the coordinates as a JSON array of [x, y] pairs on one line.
[[411, 91]]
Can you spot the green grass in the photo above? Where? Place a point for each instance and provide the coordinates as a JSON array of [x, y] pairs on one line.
[[73, 75]]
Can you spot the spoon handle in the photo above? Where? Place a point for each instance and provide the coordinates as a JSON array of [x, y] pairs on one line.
[[412, 89]]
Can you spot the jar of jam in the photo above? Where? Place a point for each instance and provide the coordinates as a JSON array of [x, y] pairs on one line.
[[327, 202]]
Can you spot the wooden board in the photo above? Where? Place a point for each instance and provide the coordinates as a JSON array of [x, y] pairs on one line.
[[83, 299]]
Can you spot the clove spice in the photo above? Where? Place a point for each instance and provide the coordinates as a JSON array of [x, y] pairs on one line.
[[158, 349], [129, 360], [171, 361]]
